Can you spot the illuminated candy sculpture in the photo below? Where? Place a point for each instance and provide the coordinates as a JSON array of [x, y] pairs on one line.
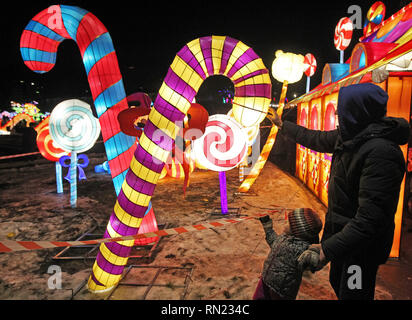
[[196, 61], [343, 35], [286, 68], [74, 129], [49, 150]]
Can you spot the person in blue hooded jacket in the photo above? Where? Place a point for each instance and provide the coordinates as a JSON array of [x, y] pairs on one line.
[[367, 169]]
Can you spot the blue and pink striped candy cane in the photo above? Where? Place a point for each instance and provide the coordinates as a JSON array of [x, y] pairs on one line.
[[39, 44]]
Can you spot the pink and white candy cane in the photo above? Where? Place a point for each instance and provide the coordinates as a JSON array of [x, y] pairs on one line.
[[310, 68], [343, 35]]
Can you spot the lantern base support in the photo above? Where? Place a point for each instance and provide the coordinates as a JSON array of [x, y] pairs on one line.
[[231, 212], [187, 272], [245, 194], [89, 252]]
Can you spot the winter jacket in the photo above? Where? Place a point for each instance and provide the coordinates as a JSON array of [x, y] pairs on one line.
[[280, 270], [367, 169]]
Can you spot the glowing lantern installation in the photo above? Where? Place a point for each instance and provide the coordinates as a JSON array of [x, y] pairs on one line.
[[343, 36], [196, 61], [38, 45], [194, 126], [251, 134], [313, 156], [309, 69], [74, 129], [49, 150], [329, 123], [286, 68], [15, 120], [374, 17], [301, 151], [221, 148]]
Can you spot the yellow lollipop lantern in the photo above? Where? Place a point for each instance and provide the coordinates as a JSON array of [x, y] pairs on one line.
[[286, 68]]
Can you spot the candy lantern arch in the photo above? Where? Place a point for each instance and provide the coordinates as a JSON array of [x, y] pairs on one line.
[[199, 59], [39, 44]]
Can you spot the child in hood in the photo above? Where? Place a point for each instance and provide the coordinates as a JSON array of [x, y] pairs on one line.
[[281, 276]]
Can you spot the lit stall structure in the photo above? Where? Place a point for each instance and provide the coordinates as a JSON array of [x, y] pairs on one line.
[[301, 151], [384, 46]]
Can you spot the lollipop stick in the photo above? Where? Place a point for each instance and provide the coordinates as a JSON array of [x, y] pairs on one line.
[[307, 84], [73, 179], [59, 180], [223, 191], [341, 56]]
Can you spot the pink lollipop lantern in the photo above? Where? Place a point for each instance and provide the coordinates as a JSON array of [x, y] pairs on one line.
[[310, 68], [343, 35]]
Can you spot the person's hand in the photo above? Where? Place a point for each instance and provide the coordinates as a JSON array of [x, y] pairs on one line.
[[274, 118], [266, 221], [313, 259], [380, 75]]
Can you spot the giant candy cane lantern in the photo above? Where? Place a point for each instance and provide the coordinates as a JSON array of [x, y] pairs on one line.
[[38, 45], [199, 59]]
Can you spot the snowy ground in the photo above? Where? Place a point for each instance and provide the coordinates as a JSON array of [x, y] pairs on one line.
[[225, 262]]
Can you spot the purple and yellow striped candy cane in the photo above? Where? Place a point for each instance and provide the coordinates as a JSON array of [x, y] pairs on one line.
[[196, 61]]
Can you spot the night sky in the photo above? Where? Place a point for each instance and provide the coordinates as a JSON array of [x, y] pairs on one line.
[[148, 34]]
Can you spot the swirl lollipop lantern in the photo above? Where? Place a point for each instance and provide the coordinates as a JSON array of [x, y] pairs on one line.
[[73, 126], [374, 17], [287, 67], [223, 146], [343, 35], [196, 61], [74, 129], [310, 68]]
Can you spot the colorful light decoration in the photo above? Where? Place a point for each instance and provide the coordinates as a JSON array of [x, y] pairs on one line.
[[223, 145], [49, 150], [394, 29], [38, 45], [286, 68], [309, 68], [192, 65], [30, 109], [374, 17], [15, 120], [343, 36], [74, 129], [198, 60]]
